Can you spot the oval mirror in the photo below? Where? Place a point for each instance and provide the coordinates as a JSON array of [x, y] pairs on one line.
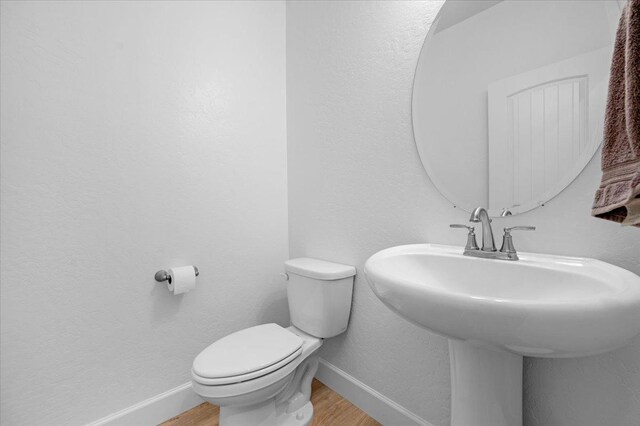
[[509, 98]]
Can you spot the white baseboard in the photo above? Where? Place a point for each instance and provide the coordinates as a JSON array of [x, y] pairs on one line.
[[367, 399], [162, 407], [154, 410]]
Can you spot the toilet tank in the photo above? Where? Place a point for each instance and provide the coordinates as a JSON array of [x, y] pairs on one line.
[[319, 294]]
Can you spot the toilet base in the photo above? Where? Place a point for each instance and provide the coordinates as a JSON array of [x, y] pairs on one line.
[[300, 417], [264, 414], [291, 406]]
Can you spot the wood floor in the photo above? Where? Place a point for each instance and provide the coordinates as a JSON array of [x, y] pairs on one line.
[[329, 409]]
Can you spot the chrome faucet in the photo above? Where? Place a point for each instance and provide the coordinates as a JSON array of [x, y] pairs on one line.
[[488, 250], [481, 215]]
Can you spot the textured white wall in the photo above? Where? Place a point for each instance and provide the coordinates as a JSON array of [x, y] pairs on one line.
[[135, 136], [356, 186]]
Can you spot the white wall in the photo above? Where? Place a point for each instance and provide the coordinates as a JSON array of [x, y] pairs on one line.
[[356, 185], [135, 136]]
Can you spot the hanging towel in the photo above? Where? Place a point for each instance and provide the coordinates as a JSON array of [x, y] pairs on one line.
[[618, 198]]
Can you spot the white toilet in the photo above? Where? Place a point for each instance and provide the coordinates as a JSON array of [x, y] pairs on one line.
[[261, 376]]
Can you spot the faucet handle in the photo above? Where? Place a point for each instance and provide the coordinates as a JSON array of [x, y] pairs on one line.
[[507, 239], [459, 225], [471, 237], [519, 228]]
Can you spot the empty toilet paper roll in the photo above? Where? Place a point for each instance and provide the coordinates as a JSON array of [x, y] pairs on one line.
[[182, 279]]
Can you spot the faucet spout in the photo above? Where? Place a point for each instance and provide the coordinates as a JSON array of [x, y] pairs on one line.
[[481, 215]]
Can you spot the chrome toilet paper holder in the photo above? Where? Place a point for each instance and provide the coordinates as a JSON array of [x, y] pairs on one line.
[[163, 275]]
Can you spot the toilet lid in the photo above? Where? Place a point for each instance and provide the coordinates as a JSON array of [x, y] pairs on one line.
[[247, 351]]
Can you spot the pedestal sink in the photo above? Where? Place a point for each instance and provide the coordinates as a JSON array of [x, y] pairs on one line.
[[495, 312]]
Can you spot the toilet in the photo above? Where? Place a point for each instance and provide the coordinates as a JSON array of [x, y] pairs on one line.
[[261, 376]]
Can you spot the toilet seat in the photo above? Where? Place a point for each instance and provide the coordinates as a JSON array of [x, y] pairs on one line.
[[244, 377], [254, 390], [246, 354]]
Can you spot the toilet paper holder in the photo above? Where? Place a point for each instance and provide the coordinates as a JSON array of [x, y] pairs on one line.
[[163, 275]]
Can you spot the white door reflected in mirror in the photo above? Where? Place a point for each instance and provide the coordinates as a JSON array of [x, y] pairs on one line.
[[512, 119]]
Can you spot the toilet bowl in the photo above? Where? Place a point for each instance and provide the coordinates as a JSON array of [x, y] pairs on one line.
[[261, 376], [260, 400]]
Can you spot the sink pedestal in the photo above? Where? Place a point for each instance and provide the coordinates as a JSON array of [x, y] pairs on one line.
[[486, 386]]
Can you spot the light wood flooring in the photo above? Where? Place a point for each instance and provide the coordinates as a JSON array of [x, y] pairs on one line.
[[329, 409]]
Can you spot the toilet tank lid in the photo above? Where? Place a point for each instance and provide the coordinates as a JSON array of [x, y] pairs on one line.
[[318, 269]]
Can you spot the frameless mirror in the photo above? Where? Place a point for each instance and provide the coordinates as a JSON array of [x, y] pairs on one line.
[[509, 98]]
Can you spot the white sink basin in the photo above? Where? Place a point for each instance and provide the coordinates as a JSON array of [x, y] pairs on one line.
[[540, 305], [496, 311]]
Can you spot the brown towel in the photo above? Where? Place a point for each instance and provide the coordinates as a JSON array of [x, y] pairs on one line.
[[618, 197]]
